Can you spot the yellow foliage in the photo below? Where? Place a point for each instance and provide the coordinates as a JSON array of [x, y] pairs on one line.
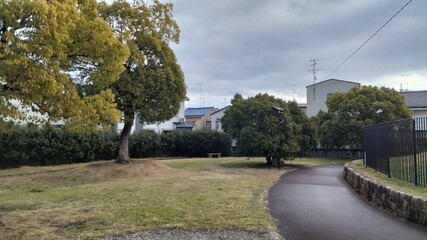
[[46, 48]]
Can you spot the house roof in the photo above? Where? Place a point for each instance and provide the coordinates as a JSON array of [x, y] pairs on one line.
[[415, 99], [198, 111], [219, 110], [333, 79]]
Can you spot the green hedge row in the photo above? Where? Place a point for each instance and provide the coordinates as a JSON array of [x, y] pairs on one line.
[[49, 145]]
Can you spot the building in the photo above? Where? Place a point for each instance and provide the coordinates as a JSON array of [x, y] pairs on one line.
[[216, 119], [303, 107], [416, 101], [318, 93], [199, 117], [159, 127]]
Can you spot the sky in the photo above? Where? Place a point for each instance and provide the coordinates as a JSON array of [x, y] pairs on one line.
[[253, 46]]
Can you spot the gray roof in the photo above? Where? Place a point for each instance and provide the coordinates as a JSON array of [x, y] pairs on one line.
[[333, 79], [219, 110], [415, 99]]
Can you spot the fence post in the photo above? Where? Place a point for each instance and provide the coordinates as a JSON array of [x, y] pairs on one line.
[[414, 147], [388, 149]]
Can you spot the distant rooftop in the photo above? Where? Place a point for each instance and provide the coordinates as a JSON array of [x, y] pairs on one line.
[[219, 110], [415, 99], [333, 79], [198, 111]]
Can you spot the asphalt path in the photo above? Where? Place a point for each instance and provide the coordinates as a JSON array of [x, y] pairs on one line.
[[316, 203]]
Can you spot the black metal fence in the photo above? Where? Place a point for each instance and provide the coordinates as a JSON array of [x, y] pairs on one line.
[[398, 149], [336, 153]]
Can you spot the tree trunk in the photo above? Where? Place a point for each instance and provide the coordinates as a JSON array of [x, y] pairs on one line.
[[123, 157]]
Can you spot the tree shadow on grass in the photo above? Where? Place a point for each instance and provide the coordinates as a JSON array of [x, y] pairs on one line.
[[258, 165]]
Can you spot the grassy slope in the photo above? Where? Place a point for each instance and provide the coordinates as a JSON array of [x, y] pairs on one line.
[[99, 199], [392, 182]]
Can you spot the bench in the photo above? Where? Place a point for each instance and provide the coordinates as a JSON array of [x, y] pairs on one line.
[[211, 155]]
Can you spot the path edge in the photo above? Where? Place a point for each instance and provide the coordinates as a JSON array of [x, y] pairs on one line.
[[400, 204]]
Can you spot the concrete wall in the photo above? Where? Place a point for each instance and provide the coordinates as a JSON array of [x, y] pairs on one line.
[[159, 127], [418, 112], [404, 205], [318, 93], [216, 120]]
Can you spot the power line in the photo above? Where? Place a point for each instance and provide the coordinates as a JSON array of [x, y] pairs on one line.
[[351, 55]]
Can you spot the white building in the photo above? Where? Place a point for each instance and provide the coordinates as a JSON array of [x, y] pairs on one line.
[[318, 93], [159, 127], [416, 101], [216, 119]]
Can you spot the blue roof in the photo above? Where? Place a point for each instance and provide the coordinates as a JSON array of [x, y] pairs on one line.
[[198, 111]]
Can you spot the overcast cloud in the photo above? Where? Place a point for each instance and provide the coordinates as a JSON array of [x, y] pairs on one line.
[[252, 46]]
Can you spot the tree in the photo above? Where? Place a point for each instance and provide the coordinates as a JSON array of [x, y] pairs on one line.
[[153, 82], [49, 47], [304, 129], [349, 112], [263, 126]]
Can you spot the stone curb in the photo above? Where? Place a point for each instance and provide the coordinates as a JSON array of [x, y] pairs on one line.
[[401, 204]]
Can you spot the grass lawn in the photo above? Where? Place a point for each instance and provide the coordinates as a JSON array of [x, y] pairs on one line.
[[93, 200], [392, 182]]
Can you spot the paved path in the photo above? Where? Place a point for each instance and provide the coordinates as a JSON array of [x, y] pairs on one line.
[[316, 203]]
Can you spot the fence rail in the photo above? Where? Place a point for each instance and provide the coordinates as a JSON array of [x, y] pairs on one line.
[[398, 149], [337, 153]]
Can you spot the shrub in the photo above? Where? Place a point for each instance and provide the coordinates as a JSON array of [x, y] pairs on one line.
[[144, 144], [48, 145]]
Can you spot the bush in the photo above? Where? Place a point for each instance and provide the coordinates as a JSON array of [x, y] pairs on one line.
[[144, 144], [196, 143], [49, 145], [34, 146]]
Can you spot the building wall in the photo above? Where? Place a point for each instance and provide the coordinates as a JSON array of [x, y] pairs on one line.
[[200, 122], [159, 127], [418, 112], [216, 120], [318, 93]]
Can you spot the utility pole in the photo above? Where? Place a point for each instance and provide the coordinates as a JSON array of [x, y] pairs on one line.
[[314, 70], [293, 91], [200, 91]]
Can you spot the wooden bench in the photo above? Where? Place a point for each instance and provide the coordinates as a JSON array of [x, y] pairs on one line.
[[211, 155]]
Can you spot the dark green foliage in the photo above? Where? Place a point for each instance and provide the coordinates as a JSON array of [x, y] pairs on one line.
[[144, 144], [261, 130], [349, 112], [34, 146], [196, 143], [53, 146], [304, 129]]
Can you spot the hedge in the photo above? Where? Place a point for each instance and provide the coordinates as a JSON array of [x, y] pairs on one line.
[[34, 146]]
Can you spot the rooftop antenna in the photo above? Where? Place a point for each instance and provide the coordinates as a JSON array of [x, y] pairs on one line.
[[406, 78], [200, 91], [314, 70], [293, 91], [225, 102]]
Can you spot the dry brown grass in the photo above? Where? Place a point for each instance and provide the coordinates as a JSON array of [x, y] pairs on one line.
[[93, 200]]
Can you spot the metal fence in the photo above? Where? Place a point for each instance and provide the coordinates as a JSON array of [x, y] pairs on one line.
[[398, 149], [336, 153]]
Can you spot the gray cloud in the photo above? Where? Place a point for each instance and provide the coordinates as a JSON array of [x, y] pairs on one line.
[[251, 46]]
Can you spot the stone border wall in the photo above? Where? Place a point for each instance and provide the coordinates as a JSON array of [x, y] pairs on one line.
[[404, 205]]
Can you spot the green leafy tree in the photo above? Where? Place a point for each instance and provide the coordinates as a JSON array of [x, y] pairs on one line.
[[153, 82], [359, 107], [260, 129], [304, 129], [47, 48]]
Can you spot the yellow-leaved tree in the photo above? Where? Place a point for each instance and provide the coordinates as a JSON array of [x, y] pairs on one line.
[[153, 83], [50, 48]]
